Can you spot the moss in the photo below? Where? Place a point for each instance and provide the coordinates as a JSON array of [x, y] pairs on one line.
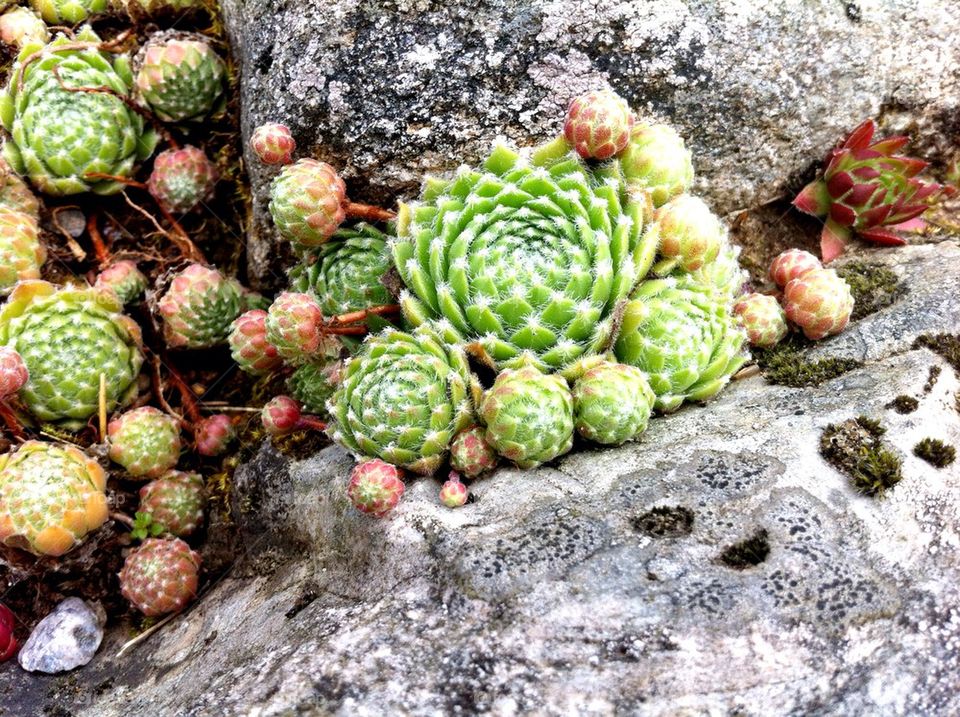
[[855, 448], [935, 452], [665, 522], [932, 377], [785, 365], [874, 287], [904, 404], [747, 553], [947, 345]]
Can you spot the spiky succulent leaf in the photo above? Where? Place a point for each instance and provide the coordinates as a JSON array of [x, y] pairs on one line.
[[180, 77], [612, 403], [723, 277], [161, 576], [68, 337], [21, 253], [51, 497], [199, 308]]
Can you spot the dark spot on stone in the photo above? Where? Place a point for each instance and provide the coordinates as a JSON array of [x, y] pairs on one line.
[[853, 12], [665, 522], [265, 59], [747, 553], [935, 452], [903, 404], [306, 597]]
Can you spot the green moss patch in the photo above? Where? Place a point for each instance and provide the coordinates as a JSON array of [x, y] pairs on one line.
[[855, 448], [874, 287], [747, 553], [935, 452], [903, 404], [786, 365], [947, 345]]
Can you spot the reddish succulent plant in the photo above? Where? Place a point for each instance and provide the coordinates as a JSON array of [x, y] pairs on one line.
[[598, 124], [273, 143], [182, 178], [214, 434], [8, 643], [280, 415], [453, 493], [790, 264], [375, 487], [13, 372], [819, 302], [161, 576], [249, 346]]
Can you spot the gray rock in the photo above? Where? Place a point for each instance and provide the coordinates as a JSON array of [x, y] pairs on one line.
[[65, 639], [389, 91]]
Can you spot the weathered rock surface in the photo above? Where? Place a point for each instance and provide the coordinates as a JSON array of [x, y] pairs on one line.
[[388, 91], [613, 581], [65, 639]]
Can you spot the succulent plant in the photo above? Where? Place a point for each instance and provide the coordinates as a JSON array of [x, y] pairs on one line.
[[524, 262], [313, 385], [140, 10], [68, 338], [790, 264], [453, 493], [13, 372], [19, 26], [690, 235], [214, 434], [470, 454], [175, 502], [375, 487], [8, 642], [723, 277], [657, 161], [199, 308], [124, 279], [762, 318], [249, 346], [528, 416], [51, 497], [294, 326], [15, 195], [21, 253], [145, 441], [344, 274], [869, 190], [180, 77], [60, 136], [308, 202], [612, 403], [280, 415], [67, 12], [819, 302], [683, 337], [598, 124], [402, 399], [182, 178], [161, 576], [273, 143]]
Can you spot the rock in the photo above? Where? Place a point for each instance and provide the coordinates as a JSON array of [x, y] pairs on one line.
[[390, 91], [65, 639]]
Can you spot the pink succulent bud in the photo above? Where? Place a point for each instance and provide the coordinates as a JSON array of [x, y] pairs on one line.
[[294, 324], [280, 415], [819, 302], [249, 346], [273, 143], [790, 264], [598, 124], [124, 278], [182, 178], [375, 487], [8, 643], [214, 434], [308, 202], [453, 494], [762, 318], [471, 454], [13, 372]]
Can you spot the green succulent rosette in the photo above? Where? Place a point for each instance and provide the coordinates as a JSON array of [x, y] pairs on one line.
[[344, 274], [684, 338], [67, 12], [403, 398], [69, 337], [612, 403], [524, 261], [313, 385], [723, 277], [59, 138]]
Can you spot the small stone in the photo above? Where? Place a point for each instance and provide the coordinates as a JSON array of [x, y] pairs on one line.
[[65, 639]]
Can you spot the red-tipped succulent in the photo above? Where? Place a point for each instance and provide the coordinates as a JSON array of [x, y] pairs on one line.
[[375, 487], [13, 372], [8, 643], [214, 434], [867, 189]]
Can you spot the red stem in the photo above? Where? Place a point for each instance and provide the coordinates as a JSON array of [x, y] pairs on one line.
[[115, 178], [355, 316], [310, 422], [99, 248], [187, 397], [11, 421], [368, 212]]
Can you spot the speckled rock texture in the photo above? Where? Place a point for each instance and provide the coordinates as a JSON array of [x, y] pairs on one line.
[[720, 566], [387, 91]]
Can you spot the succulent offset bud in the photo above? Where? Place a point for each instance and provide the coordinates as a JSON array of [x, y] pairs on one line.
[[762, 318], [273, 143], [19, 26], [294, 326], [612, 403], [51, 497], [280, 416], [140, 10], [182, 179], [375, 487], [790, 264], [598, 124], [8, 643], [819, 302], [145, 441], [174, 502], [690, 234], [471, 454], [124, 279], [199, 308], [529, 416], [249, 346], [67, 12], [723, 277], [181, 77], [15, 195], [307, 202], [161, 576], [657, 161], [21, 253], [214, 434], [13, 372], [453, 493], [314, 384]]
